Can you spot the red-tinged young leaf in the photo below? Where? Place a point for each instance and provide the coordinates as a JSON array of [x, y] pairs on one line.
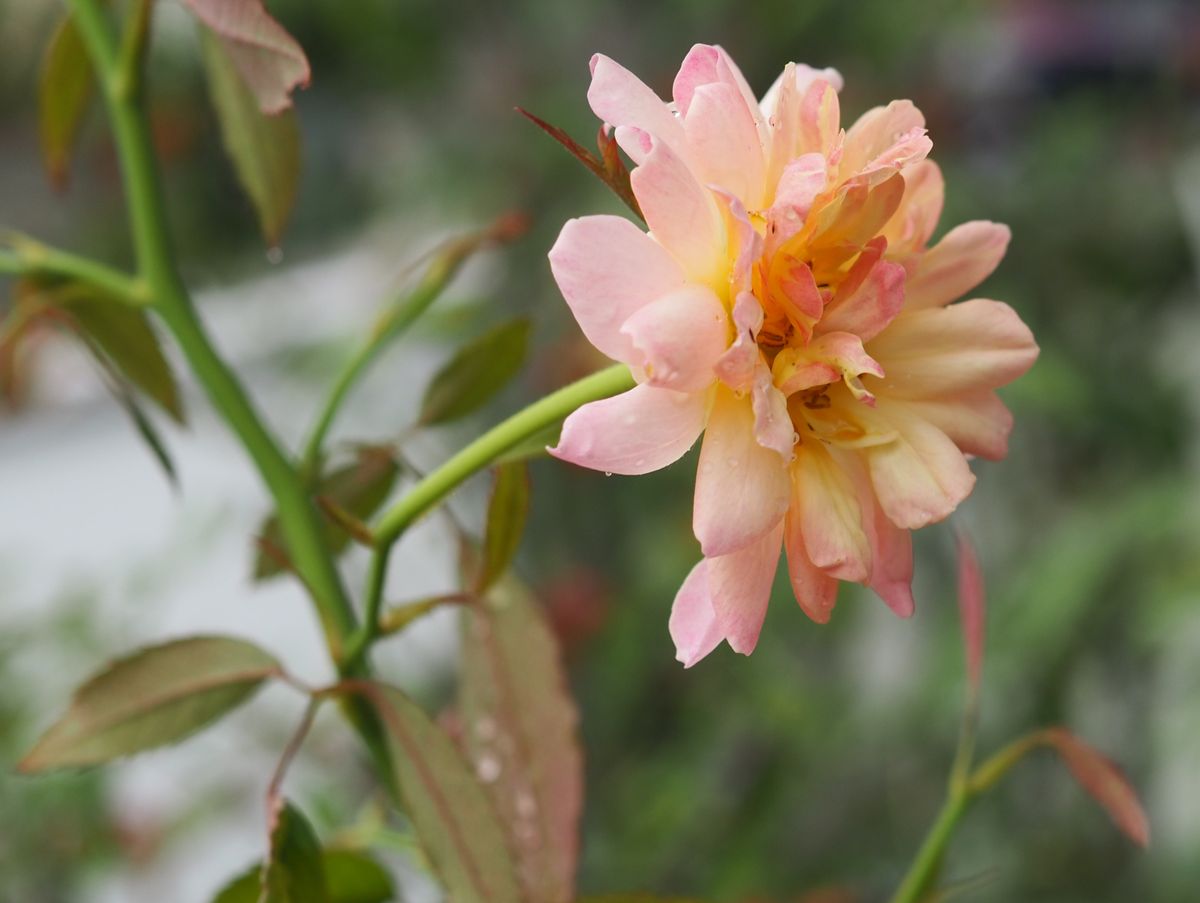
[[972, 608], [507, 512], [65, 87], [609, 169], [453, 817], [1104, 781], [520, 729], [294, 871], [350, 877], [476, 373], [265, 150], [156, 696], [351, 493], [267, 58]]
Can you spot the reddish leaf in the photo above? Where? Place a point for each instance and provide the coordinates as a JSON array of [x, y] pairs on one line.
[[520, 730], [609, 168], [268, 59], [972, 608], [1104, 781], [450, 811]]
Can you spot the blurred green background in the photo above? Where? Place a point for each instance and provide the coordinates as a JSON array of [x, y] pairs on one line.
[[821, 760]]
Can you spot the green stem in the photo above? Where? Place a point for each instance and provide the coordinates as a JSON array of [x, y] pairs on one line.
[[298, 516], [999, 764], [495, 442], [394, 322], [438, 484], [923, 871], [31, 258]]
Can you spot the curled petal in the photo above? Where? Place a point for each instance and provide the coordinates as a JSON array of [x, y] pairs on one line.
[[966, 347], [680, 337], [619, 98], [681, 214], [709, 64], [608, 269], [965, 256], [740, 584], [741, 488], [738, 366], [871, 305], [825, 502], [820, 117], [693, 622], [799, 77], [637, 432], [724, 142], [772, 426], [815, 590], [796, 188], [826, 359], [879, 136]]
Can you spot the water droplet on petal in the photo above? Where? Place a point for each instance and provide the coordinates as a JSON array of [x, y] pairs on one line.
[[526, 805], [485, 728], [487, 768], [733, 462], [608, 473], [275, 256]]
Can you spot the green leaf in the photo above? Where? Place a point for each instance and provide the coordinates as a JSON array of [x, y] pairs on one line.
[[354, 877], [507, 512], [154, 697], [476, 373], [350, 877], [357, 489], [125, 336], [453, 817], [65, 88], [294, 872], [520, 727], [147, 430], [265, 150]]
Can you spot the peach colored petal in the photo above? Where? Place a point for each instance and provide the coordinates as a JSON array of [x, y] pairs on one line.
[[607, 269], [681, 214], [738, 366], [708, 64], [921, 476], [977, 422], [820, 121], [801, 78], [826, 503], [876, 134], [745, 244], [680, 337], [773, 427], [912, 226], [870, 306], [740, 584], [619, 98], [964, 347], [637, 432], [965, 256], [724, 144], [741, 488], [693, 622], [797, 187], [815, 590], [826, 359], [891, 546]]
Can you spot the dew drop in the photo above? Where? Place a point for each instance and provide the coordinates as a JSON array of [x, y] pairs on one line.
[[485, 728], [275, 256], [488, 768], [630, 420], [608, 473], [733, 462], [795, 438], [526, 805]]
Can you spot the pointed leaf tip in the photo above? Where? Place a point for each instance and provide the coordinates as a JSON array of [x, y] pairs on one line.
[[1105, 782], [154, 697], [972, 607]]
